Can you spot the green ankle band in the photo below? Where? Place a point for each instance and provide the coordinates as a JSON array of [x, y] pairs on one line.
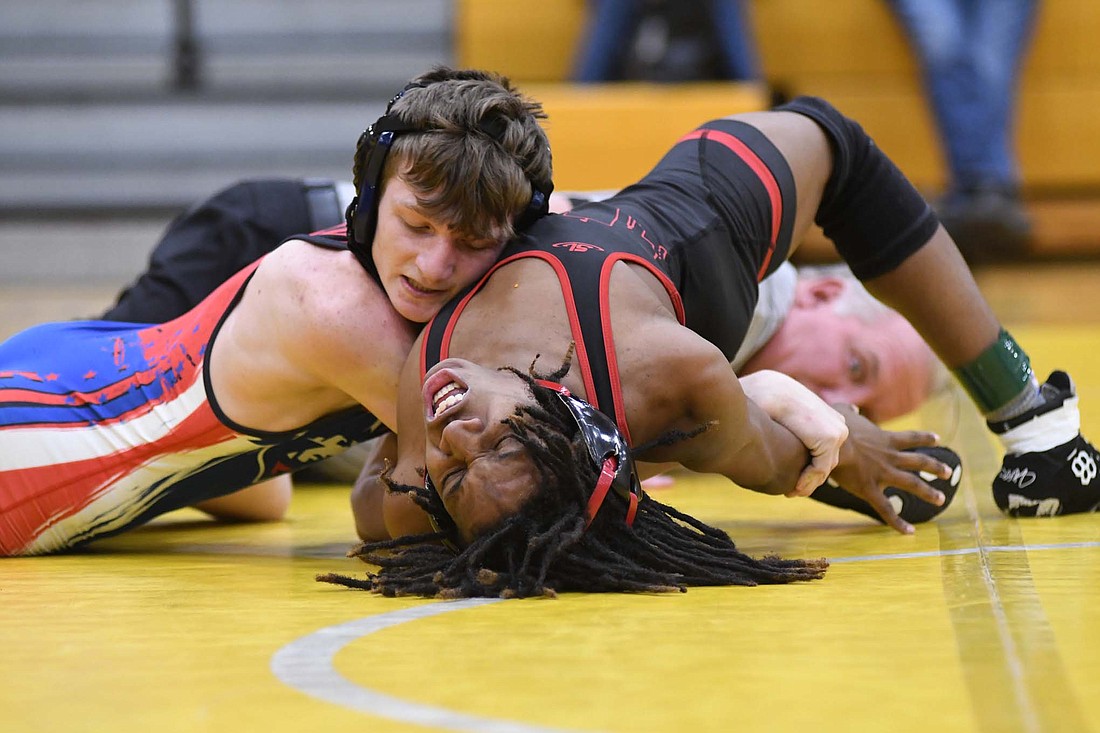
[[998, 375]]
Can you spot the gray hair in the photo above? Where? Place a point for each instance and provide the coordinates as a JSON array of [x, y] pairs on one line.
[[857, 301]]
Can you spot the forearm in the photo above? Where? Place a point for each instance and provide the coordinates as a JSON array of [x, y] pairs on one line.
[[743, 442], [366, 507], [778, 395], [820, 427], [381, 514], [748, 447], [774, 459]]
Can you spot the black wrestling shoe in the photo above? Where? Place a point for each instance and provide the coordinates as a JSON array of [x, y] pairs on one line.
[[1038, 479], [908, 507]]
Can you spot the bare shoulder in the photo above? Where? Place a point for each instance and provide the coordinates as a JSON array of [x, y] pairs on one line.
[[334, 323], [673, 377], [300, 270], [688, 385], [324, 293]]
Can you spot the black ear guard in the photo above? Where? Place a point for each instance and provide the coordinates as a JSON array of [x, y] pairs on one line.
[[370, 160], [608, 450]]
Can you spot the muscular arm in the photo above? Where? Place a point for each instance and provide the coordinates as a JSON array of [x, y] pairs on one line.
[[820, 427], [359, 345], [368, 492], [691, 385], [312, 334]]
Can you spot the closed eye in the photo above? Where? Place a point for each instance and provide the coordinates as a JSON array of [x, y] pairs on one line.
[[460, 473], [456, 474], [481, 245]]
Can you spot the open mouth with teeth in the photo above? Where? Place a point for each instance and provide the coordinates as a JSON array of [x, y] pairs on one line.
[[447, 397], [442, 391]]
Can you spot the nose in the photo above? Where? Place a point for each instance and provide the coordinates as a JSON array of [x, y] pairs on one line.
[[437, 260], [458, 438]]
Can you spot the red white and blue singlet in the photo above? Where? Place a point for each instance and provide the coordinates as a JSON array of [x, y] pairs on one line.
[[105, 425]]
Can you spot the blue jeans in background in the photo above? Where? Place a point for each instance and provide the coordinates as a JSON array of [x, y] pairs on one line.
[[970, 54], [612, 26]]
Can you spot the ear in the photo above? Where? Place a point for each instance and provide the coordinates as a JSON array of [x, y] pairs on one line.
[[812, 292]]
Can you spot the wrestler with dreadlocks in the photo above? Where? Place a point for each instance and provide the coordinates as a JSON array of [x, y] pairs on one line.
[[645, 285], [106, 424], [584, 525], [642, 284]]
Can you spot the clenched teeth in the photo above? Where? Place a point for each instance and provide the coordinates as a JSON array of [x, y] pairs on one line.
[[447, 396]]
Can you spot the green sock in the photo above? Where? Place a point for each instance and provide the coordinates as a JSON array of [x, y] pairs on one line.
[[1001, 377]]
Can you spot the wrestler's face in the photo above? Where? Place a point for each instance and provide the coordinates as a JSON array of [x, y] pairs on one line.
[[422, 262], [881, 365], [479, 468]]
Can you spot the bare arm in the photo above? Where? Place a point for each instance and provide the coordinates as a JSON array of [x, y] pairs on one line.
[[868, 462], [358, 349], [692, 385], [379, 513], [367, 492], [820, 428], [291, 352]]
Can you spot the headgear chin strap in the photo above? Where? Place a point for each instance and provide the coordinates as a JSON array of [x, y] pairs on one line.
[[608, 450], [370, 162]]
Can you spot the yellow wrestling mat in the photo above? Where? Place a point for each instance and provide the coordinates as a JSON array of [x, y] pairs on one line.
[[977, 623]]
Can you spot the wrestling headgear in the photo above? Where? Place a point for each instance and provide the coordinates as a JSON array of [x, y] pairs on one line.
[[606, 448], [370, 160]]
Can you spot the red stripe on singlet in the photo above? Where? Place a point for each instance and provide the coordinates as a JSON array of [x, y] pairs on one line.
[[608, 335], [570, 308], [762, 172]]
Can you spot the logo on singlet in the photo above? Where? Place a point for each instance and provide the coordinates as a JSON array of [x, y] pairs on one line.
[[577, 246]]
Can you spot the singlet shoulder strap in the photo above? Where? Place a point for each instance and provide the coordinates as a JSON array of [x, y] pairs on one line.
[[583, 272]]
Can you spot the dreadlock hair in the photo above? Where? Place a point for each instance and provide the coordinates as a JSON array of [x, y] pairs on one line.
[[545, 548]]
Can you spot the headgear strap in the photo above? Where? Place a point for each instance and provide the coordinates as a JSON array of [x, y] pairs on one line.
[[607, 448]]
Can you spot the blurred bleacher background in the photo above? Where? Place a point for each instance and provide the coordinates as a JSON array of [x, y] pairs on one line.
[[115, 114]]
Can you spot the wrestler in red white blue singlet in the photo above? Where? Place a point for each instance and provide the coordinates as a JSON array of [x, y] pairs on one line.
[[105, 425]]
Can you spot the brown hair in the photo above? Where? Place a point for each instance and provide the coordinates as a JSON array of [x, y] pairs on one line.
[[482, 150]]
